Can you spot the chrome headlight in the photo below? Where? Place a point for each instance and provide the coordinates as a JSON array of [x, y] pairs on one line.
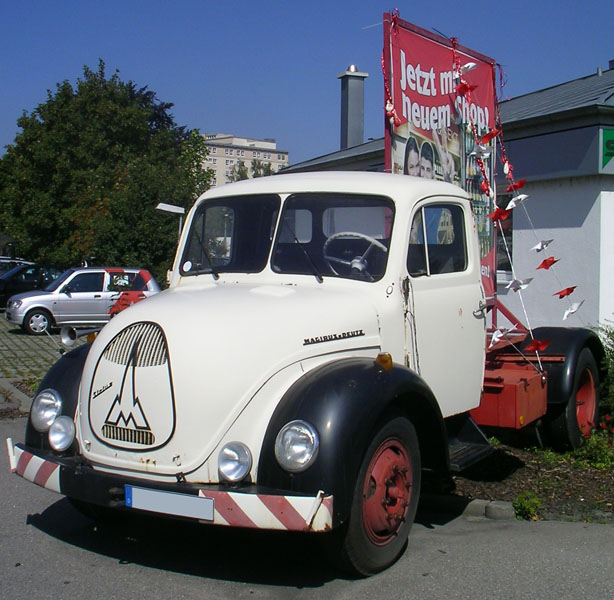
[[45, 409], [234, 461], [61, 433], [296, 446], [15, 303]]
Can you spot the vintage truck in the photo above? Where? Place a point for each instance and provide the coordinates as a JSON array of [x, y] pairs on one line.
[[315, 362]]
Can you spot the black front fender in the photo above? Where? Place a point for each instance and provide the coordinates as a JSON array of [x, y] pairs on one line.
[[64, 377], [347, 401]]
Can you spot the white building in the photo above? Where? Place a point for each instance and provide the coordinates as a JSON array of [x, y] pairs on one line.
[[227, 151]]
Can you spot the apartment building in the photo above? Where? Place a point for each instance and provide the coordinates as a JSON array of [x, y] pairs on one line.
[[227, 151]]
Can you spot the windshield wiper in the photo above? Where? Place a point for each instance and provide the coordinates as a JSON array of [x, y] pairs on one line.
[[316, 272], [212, 270]]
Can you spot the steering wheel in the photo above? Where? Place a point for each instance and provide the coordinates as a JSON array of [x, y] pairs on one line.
[[358, 265]]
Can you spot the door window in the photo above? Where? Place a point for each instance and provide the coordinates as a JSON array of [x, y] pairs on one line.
[[87, 282], [437, 241]]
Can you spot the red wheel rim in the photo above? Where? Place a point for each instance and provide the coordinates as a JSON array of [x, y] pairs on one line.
[[386, 492], [586, 401]]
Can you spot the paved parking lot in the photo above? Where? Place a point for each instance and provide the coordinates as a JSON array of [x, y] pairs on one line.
[[24, 359]]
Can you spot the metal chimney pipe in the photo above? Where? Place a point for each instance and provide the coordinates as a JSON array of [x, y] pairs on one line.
[[352, 107]]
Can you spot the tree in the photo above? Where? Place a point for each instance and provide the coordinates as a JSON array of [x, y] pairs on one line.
[[260, 169], [84, 175], [239, 172]]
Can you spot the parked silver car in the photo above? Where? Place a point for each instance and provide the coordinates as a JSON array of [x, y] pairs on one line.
[[81, 297]]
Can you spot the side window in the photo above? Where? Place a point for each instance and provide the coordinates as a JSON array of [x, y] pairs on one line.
[[437, 241], [87, 282]]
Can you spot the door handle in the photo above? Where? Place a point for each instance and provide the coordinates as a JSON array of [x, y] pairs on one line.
[[481, 310]]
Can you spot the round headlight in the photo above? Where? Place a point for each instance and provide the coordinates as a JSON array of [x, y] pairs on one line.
[[45, 408], [234, 461], [61, 433], [296, 446]]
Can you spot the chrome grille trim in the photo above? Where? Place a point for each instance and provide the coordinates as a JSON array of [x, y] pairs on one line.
[[151, 347]]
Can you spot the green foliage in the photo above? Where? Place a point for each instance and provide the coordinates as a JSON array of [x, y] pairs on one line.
[[607, 392], [527, 506], [239, 172], [84, 175], [597, 451], [260, 169]]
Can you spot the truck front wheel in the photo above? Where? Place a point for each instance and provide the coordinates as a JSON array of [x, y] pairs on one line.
[[581, 412], [385, 500]]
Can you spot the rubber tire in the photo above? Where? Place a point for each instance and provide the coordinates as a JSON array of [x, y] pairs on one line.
[[358, 554], [564, 429], [42, 314]]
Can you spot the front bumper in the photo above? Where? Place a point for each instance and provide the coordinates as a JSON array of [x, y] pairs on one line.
[[250, 506]]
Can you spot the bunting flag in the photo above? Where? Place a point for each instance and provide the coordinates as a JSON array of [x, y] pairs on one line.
[[572, 309], [519, 284], [499, 215], [538, 345], [516, 200], [542, 245], [485, 139], [547, 262], [499, 334], [565, 292], [515, 185], [464, 88]]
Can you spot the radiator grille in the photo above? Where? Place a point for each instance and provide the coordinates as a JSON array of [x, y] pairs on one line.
[[150, 346], [123, 434]]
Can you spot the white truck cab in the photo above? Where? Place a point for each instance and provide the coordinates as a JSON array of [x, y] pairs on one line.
[[320, 334]]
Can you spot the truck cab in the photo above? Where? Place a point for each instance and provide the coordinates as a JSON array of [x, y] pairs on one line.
[[320, 334]]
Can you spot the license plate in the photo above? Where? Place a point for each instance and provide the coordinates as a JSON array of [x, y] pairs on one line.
[[169, 503]]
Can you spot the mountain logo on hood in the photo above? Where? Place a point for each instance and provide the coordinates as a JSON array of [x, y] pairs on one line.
[[137, 411]]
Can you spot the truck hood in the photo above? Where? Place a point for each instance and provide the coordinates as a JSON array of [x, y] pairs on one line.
[[166, 379]]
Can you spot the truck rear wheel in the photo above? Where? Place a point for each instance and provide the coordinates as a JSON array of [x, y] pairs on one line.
[[581, 412], [385, 500]]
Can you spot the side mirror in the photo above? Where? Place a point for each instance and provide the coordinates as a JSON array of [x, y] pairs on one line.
[[66, 290]]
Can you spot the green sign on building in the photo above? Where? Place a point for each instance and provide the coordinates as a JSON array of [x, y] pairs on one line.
[[607, 151]]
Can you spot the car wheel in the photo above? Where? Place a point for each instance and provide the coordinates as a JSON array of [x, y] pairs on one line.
[[385, 500], [581, 411], [37, 321]]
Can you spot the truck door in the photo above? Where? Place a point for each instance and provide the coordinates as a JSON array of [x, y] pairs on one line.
[[446, 322]]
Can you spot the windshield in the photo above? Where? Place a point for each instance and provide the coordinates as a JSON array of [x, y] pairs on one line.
[[231, 234], [54, 285], [334, 235], [319, 234]]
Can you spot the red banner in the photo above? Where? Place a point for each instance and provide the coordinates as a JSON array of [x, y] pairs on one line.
[[440, 103]]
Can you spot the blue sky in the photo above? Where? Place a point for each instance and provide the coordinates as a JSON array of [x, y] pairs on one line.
[[267, 68]]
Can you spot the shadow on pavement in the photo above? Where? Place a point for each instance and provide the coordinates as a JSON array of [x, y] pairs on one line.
[[272, 558]]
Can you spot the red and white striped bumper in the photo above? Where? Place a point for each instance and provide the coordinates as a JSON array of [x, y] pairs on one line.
[[234, 509], [33, 468]]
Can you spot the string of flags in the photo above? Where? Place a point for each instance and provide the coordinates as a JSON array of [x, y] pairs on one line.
[[481, 150]]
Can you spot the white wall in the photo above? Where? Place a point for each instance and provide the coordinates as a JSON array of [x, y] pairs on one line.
[[606, 279], [569, 211]]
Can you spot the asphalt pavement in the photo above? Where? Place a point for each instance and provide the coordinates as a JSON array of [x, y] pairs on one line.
[[47, 550]]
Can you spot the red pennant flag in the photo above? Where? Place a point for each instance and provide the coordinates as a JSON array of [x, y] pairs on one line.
[[566, 292], [537, 346], [547, 263], [463, 88], [489, 136], [516, 185], [499, 215], [484, 187]]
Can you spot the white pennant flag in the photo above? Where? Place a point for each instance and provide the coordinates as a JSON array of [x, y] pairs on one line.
[[516, 200], [519, 284], [572, 309], [542, 245]]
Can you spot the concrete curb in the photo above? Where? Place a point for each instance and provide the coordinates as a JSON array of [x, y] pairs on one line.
[[12, 395], [456, 505]]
